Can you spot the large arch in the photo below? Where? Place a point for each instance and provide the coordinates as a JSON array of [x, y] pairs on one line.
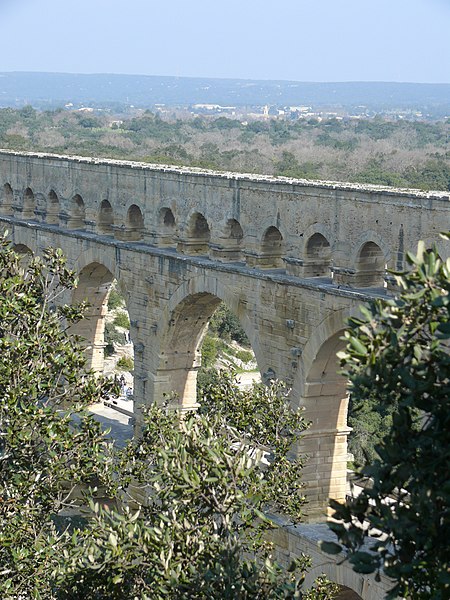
[[323, 392], [186, 319], [93, 286]]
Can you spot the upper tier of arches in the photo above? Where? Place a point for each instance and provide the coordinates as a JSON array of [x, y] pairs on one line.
[[343, 234], [312, 255]]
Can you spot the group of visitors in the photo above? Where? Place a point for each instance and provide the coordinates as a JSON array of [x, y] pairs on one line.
[[125, 390]]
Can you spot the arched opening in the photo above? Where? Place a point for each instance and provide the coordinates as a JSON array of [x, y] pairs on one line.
[[135, 223], [325, 399], [105, 330], [370, 266], [181, 351], [53, 208], [272, 250], [106, 218], [346, 593], [229, 246], [166, 227], [77, 213], [22, 249], [29, 204], [94, 285], [198, 235], [317, 257], [7, 202]]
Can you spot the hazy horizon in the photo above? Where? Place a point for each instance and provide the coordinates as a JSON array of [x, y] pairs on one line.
[[393, 42]]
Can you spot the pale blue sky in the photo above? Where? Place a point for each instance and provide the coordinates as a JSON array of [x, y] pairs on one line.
[[314, 40]]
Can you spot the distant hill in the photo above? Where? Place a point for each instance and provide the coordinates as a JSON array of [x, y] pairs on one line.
[[50, 90]]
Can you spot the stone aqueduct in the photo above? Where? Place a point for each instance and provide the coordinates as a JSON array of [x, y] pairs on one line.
[[292, 259]]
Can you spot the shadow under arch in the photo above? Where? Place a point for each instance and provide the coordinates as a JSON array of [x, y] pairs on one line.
[[186, 322]]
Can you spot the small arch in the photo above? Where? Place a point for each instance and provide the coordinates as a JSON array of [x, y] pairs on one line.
[[77, 213], [7, 203], [272, 249], [370, 266], [135, 223], [166, 227], [317, 259], [53, 208], [29, 204], [198, 235], [106, 218], [233, 231], [166, 218]]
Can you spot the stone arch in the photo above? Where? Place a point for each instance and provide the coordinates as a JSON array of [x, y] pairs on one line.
[[166, 227], [94, 284], [53, 208], [28, 204], [134, 223], [77, 213], [7, 203], [229, 244], [370, 266], [198, 235], [323, 392], [106, 218], [317, 257], [341, 574], [185, 319], [272, 248], [346, 593], [22, 249]]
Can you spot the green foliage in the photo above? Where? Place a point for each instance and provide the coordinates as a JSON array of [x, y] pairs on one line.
[[199, 518], [227, 326], [44, 452], [398, 354], [122, 320], [244, 355], [112, 336], [379, 151], [115, 299], [125, 363]]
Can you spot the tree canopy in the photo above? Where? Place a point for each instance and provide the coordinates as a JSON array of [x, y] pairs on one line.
[[398, 354], [179, 513]]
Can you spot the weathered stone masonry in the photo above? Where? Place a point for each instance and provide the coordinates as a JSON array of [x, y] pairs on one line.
[[292, 259]]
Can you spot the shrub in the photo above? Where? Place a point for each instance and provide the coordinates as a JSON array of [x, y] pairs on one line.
[[125, 363], [122, 320], [115, 300]]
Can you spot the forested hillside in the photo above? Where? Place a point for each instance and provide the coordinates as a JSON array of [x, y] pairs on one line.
[[379, 151]]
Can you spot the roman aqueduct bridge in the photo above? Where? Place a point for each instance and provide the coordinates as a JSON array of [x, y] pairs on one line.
[[291, 258]]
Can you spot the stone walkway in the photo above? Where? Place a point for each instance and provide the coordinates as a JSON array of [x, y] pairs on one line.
[[120, 425]]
